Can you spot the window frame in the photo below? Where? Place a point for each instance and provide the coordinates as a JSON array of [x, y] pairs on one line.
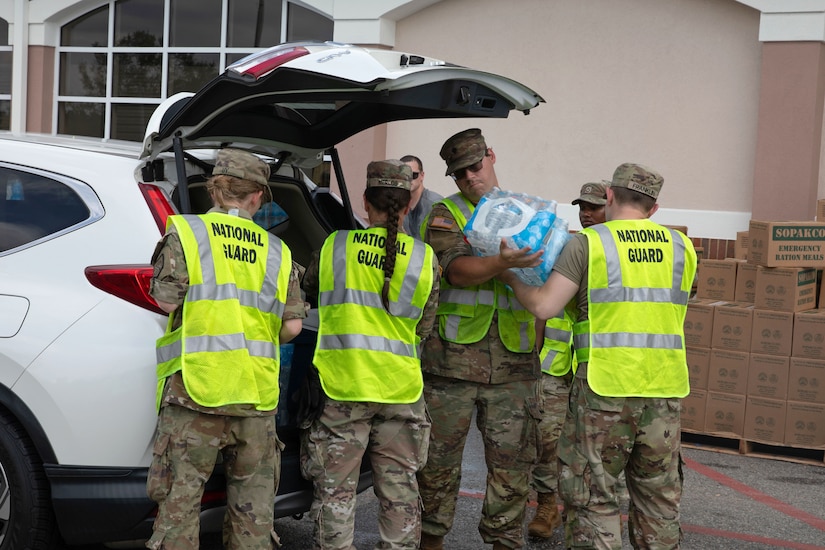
[[109, 101], [84, 192]]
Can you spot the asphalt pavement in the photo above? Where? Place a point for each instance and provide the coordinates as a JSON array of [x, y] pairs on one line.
[[731, 501]]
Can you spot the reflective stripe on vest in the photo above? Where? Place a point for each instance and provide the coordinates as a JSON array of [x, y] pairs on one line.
[[556, 350], [364, 353], [227, 344], [640, 275], [465, 314]]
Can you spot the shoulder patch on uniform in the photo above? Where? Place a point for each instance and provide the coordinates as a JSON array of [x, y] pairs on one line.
[[440, 222]]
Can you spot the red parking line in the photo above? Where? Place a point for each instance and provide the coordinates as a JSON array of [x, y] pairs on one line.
[[758, 496], [718, 533], [751, 493]]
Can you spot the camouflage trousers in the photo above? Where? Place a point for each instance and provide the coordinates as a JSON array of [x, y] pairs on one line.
[[604, 436], [186, 449], [395, 437], [507, 416], [555, 394]]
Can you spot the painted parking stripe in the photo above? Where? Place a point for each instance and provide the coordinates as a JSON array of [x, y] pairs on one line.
[[758, 496]]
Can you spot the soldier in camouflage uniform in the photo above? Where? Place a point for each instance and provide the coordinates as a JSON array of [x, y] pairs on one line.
[[591, 202], [479, 369], [631, 279], [190, 434], [557, 367], [378, 295]]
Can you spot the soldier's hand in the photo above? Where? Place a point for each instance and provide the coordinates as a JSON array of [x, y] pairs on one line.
[[310, 398], [519, 258]]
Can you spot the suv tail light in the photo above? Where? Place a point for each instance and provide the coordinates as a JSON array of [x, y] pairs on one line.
[[131, 282], [260, 64], [158, 203], [128, 282]]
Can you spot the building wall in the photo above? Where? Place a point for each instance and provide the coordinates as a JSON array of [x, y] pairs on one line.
[[674, 85]]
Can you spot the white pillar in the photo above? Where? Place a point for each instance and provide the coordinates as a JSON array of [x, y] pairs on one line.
[[19, 65]]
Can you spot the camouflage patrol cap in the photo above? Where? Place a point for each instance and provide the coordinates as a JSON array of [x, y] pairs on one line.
[[389, 173], [463, 149], [638, 178], [241, 164], [593, 193]]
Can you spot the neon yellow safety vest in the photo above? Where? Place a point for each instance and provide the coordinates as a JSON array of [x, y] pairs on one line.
[[226, 346], [465, 314], [640, 276], [363, 352], [557, 349]]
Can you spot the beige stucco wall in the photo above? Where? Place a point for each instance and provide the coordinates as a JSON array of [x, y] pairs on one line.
[[674, 85]]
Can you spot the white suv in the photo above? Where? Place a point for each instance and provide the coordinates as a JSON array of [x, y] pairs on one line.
[[79, 220]]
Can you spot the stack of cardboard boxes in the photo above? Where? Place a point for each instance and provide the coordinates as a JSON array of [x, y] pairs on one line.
[[756, 342]]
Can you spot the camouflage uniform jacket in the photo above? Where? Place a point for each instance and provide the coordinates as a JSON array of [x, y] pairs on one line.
[[487, 361], [170, 282], [425, 324]]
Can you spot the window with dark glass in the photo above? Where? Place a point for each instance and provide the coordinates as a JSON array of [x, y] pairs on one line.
[[190, 71], [33, 207], [305, 24], [80, 119], [89, 30], [253, 24], [136, 74], [82, 74], [138, 23], [195, 23]]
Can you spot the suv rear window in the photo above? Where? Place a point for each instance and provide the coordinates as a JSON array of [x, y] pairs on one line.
[[33, 206]]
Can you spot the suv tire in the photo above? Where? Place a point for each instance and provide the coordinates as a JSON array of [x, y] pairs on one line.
[[26, 518]]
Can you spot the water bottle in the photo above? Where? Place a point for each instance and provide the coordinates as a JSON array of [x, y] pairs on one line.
[[559, 237], [537, 231], [502, 216], [14, 190]]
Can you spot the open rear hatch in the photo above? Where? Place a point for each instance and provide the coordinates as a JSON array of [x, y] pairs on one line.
[[294, 103]]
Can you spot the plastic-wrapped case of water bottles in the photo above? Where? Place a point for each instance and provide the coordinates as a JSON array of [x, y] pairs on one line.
[[521, 220]]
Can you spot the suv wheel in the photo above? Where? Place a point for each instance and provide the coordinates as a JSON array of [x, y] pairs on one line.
[[26, 518]]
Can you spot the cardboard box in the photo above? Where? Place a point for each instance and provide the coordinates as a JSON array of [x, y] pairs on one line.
[[745, 283], [698, 360], [768, 376], [805, 425], [809, 334], [785, 288], [787, 244], [821, 299], [732, 326], [698, 324], [740, 247], [693, 410], [716, 280], [806, 380], [765, 420], [728, 371], [772, 332], [725, 414], [820, 210]]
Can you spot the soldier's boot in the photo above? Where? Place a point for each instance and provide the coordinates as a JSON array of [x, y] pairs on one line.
[[547, 517], [500, 546], [431, 542]]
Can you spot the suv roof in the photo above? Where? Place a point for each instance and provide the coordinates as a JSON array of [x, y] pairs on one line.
[[298, 100]]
